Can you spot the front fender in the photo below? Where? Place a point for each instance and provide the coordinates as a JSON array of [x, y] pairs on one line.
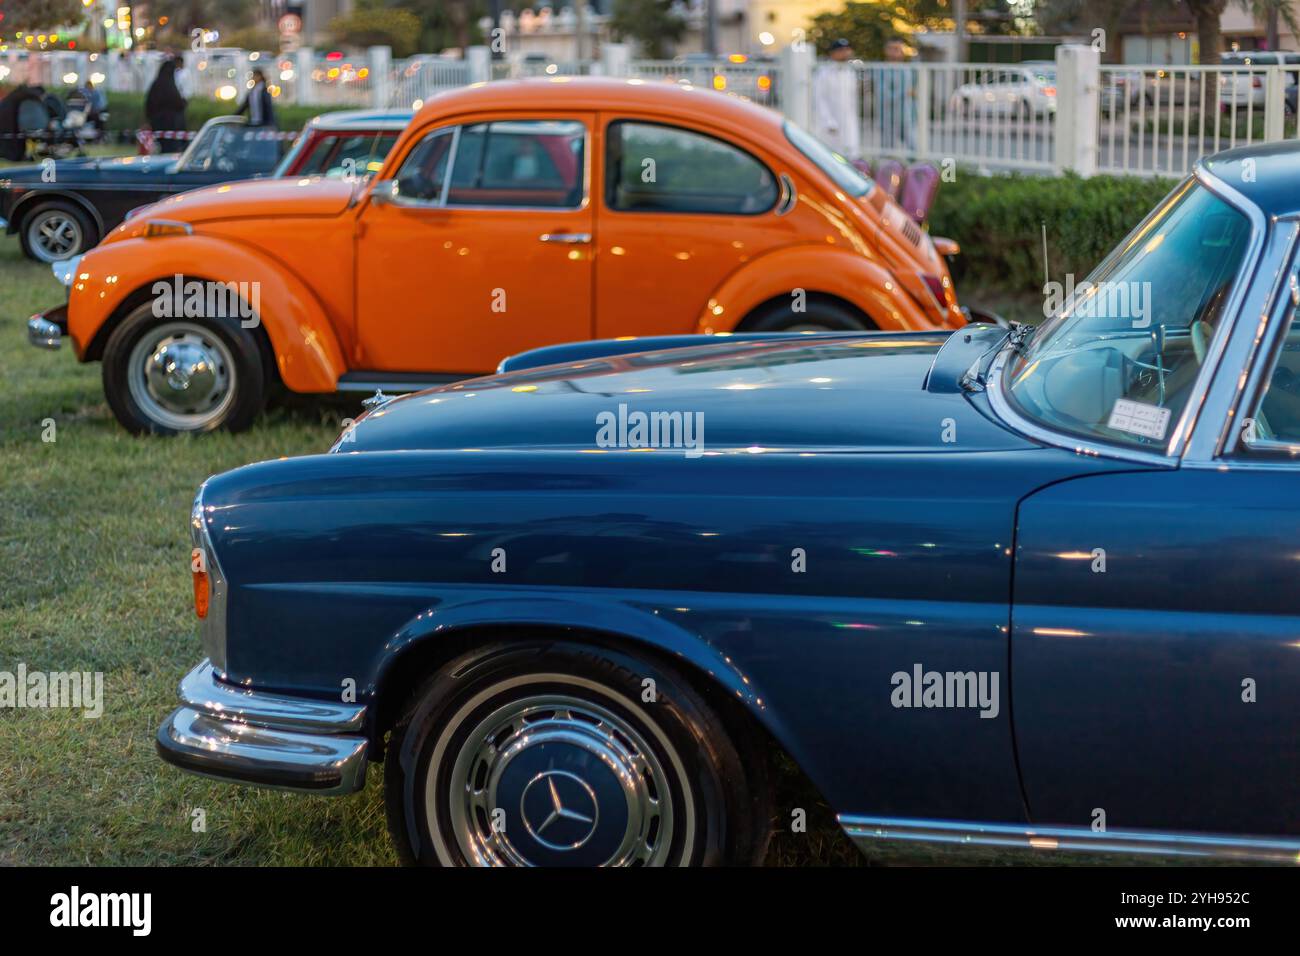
[[815, 269], [34, 196], [306, 349], [476, 607]]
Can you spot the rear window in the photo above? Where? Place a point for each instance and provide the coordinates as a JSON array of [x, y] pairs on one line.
[[658, 168], [831, 163]]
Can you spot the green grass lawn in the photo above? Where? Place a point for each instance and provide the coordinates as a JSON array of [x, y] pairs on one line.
[[94, 576]]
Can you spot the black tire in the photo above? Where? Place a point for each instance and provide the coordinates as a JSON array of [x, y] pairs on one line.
[[60, 214], [706, 812], [234, 354], [819, 314]]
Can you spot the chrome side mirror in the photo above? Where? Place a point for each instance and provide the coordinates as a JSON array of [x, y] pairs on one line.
[[384, 192]]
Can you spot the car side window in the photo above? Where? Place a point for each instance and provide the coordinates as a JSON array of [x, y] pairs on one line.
[[421, 177], [318, 159], [655, 168], [1276, 420], [515, 163], [359, 155]]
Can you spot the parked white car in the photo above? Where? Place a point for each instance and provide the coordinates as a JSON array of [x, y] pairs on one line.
[[1120, 89], [1022, 90], [1247, 86]]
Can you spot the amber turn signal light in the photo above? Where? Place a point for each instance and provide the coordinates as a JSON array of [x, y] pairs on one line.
[[199, 568], [157, 228]]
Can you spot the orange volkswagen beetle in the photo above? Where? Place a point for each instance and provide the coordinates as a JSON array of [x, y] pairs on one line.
[[508, 216]]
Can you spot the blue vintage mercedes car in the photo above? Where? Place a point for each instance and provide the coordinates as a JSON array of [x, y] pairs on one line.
[[1001, 586]]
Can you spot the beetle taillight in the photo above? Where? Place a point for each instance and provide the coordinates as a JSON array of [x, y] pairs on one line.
[[937, 288]]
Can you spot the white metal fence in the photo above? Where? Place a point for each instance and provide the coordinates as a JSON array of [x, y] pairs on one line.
[[1074, 113], [994, 117], [1071, 113], [1160, 120]]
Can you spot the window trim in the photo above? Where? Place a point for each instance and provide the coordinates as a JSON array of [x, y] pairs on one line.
[[610, 180], [454, 151], [1191, 423], [1283, 312]]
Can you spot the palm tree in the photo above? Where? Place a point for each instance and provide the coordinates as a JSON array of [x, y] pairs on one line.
[[1273, 12]]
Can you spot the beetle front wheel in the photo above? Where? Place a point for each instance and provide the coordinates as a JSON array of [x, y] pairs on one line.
[[171, 376]]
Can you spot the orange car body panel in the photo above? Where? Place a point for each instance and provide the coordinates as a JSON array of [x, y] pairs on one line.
[[350, 284], [307, 352]]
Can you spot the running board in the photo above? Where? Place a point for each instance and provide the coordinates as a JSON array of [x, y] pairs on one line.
[[397, 381], [866, 830]]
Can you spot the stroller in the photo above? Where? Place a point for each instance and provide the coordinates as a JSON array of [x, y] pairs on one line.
[[54, 128], [73, 125]]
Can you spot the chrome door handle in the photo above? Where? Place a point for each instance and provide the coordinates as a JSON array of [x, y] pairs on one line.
[[573, 238]]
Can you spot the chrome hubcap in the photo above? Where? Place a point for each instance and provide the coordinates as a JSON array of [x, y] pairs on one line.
[[181, 376], [557, 780], [54, 235]]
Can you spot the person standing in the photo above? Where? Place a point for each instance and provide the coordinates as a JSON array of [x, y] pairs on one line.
[[895, 98], [257, 103], [836, 103], [164, 107]]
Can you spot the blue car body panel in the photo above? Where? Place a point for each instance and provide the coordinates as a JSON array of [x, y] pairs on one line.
[[337, 563], [1135, 672]]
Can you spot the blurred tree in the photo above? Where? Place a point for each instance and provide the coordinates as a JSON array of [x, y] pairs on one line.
[[652, 23], [253, 38], [1081, 17], [374, 25], [1209, 36], [40, 14], [184, 16], [1272, 13], [445, 23], [868, 25]]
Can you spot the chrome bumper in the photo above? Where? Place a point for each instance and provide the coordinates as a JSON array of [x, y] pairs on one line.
[[265, 740], [43, 333]]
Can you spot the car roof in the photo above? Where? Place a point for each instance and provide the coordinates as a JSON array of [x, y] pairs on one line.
[[363, 119], [1270, 182], [672, 99]]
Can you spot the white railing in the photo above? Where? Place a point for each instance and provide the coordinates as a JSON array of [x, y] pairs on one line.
[[993, 117], [420, 77], [756, 81], [1158, 120]]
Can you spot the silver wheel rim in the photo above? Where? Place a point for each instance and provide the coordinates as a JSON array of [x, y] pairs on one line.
[[494, 826], [182, 376], [54, 234]]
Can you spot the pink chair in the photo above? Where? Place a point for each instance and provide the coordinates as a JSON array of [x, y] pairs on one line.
[[920, 186], [862, 166], [889, 176]]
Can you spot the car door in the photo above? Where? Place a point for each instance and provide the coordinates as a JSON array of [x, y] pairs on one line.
[[480, 247], [1156, 630], [681, 210]]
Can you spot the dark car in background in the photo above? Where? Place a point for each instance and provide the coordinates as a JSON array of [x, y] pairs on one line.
[[61, 208]]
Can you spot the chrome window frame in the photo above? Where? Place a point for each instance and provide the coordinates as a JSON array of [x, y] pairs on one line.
[[1181, 445], [441, 202], [1277, 318]]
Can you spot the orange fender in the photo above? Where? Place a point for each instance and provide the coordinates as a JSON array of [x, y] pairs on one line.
[[306, 349], [843, 273]]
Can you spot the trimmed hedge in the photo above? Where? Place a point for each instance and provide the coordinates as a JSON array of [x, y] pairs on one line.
[[126, 112], [999, 222]]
